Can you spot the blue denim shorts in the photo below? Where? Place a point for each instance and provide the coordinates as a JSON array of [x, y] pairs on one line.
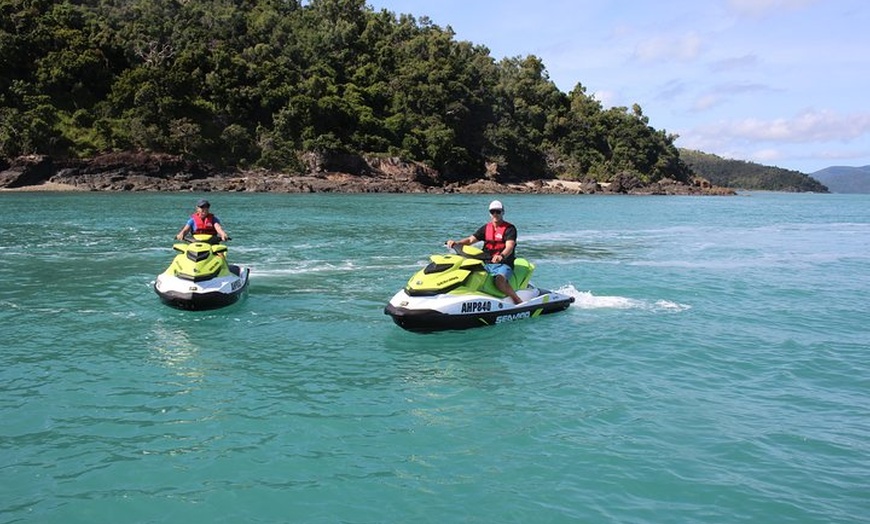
[[499, 269]]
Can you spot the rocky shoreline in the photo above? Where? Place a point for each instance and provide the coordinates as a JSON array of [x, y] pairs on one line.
[[136, 171]]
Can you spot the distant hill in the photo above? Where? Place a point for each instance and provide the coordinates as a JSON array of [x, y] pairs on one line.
[[842, 179], [739, 174]]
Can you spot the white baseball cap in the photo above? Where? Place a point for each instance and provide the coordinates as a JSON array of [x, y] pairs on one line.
[[495, 204]]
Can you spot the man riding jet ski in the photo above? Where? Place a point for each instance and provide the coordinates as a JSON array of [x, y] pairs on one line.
[[474, 287], [199, 277]]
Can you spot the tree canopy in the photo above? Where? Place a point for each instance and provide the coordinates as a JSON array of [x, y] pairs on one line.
[[739, 174], [255, 83]]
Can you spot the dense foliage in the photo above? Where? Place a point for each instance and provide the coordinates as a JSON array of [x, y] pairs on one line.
[[254, 83], [739, 174]]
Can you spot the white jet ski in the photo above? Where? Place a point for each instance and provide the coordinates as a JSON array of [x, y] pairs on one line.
[[200, 277], [454, 291]]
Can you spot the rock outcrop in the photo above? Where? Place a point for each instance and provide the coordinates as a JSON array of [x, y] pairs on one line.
[[138, 171]]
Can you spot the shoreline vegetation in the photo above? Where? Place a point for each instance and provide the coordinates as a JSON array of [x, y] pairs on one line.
[[319, 96], [139, 171]]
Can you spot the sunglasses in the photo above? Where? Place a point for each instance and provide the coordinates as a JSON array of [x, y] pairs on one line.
[[496, 211]]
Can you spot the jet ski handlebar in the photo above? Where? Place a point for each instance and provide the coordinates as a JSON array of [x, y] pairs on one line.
[[467, 251], [213, 239]]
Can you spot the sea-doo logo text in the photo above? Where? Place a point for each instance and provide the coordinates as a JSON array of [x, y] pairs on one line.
[[511, 318], [449, 280], [474, 307]]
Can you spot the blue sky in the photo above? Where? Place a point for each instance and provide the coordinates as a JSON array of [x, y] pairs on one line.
[[778, 82]]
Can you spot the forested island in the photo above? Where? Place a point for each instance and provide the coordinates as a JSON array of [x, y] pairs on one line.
[[749, 175], [285, 95]]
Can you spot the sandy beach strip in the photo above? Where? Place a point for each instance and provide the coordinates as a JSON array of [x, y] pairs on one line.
[[48, 186]]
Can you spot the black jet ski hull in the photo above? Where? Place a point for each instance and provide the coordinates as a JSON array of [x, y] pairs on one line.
[[200, 301]]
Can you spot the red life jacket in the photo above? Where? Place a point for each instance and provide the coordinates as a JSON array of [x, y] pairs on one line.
[[494, 240], [203, 225]]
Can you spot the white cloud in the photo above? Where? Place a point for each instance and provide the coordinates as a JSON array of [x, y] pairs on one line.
[[667, 48], [844, 154], [823, 157], [734, 63], [758, 8], [671, 90], [725, 92], [765, 156], [706, 101], [607, 98], [809, 126]]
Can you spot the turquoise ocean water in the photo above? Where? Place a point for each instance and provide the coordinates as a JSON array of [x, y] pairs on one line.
[[714, 367]]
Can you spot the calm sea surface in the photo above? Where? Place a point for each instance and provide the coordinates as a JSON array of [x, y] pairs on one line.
[[715, 366]]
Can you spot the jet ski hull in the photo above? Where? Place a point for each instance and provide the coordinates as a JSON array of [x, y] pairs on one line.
[[465, 311], [454, 291], [208, 294]]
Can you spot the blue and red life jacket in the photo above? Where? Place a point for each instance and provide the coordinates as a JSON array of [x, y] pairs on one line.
[[204, 225]]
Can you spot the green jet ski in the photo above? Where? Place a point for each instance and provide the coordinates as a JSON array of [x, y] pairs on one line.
[[454, 291], [199, 276]]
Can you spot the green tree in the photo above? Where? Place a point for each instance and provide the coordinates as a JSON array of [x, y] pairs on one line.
[[259, 82]]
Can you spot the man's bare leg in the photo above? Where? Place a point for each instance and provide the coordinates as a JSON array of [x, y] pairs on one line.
[[505, 287]]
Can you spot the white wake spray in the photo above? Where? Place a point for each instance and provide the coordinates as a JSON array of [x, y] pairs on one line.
[[587, 300]]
